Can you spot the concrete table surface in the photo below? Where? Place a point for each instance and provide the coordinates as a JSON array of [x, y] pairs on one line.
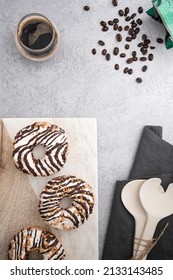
[[74, 83]]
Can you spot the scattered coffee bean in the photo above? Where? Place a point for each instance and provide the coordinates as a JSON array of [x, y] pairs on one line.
[[144, 37], [117, 67], [122, 55], [101, 43], [134, 53], [126, 28], [120, 28], [126, 11], [142, 49], [143, 58], [115, 51], [133, 36], [150, 57], [131, 31], [140, 10], [86, 8], [126, 70], [145, 46], [159, 40], [137, 30], [140, 45], [105, 28], [128, 39], [138, 80], [144, 52], [147, 41], [115, 26], [144, 68], [110, 22], [119, 37], [128, 18], [116, 20], [135, 58], [108, 57], [133, 15], [103, 23], [152, 47], [104, 52], [127, 46], [139, 21], [132, 22], [115, 3], [130, 71], [121, 13], [134, 25], [94, 51], [129, 60]]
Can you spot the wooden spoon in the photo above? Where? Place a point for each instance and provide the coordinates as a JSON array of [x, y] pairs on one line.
[[157, 204], [130, 199]]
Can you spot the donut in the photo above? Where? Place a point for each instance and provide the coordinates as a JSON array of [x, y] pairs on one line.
[[39, 240], [73, 216], [51, 137]]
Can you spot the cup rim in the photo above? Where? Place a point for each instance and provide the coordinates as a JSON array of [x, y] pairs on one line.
[[31, 51]]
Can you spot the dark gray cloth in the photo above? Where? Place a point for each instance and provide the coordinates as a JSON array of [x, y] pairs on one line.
[[154, 158]]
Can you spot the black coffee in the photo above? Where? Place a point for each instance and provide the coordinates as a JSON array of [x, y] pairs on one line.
[[36, 35]]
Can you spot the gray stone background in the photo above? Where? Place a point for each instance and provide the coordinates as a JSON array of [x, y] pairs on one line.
[[74, 83]]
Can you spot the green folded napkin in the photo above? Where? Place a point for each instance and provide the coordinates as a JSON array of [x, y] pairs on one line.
[[162, 11]]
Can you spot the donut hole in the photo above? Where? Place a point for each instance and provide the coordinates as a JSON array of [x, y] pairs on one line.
[[35, 255], [39, 152], [65, 202]]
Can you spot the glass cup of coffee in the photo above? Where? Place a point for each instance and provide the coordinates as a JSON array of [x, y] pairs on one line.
[[36, 37]]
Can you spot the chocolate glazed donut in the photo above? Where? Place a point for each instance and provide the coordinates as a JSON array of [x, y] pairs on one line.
[[71, 217], [35, 239], [54, 141]]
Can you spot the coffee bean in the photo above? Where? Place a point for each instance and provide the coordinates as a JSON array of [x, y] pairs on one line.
[[86, 8], [144, 52], [152, 47], [132, 22], [144, 68], [127, 46], [115, 26], [126, 70], [129, 60], [120, 28], [128, 39], [134, 25], [140, 45], [143, 58], [128, 18], [138, 80], [145, 46], [150, 57], [110, 22], [121, 13], [103, 23], [115, 3], [133, 36], [133, 15], [142, 49], [122, 55], [140, 10], [105, 28], [130, 71], [117, 67], [126, 11], [159, 40], [144, 37], [119, 37], [94, 51], [115, 51], [135, 58], [116, 20], [104, 52], [139, 21], [101, 43], [126, 28], [134, 53], [108, 57], [131, 31], [137, 30], [147, 41]]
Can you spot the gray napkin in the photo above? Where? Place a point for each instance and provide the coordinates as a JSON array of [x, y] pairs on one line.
[[154, 158]]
